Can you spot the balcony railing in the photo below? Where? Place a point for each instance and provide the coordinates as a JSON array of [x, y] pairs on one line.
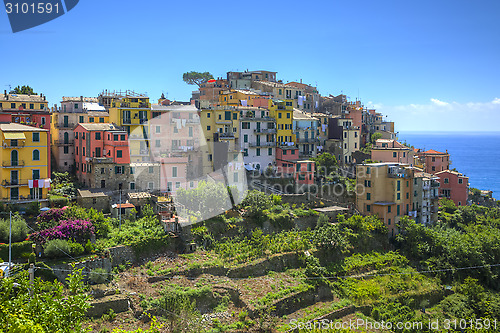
[[14, 182], [64, 143], [265, 130], [7, 144], [13, 164], [262, 144], [226, 135]]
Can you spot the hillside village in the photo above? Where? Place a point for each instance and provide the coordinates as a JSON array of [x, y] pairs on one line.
[[239, 210]]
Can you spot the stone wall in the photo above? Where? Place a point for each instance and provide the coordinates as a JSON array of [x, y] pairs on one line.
[[100, 306]]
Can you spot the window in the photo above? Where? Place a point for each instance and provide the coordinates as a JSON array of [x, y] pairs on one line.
[[176, 130], [77, 150], [293, 151], [76, 135], [76, 105], [394, 154], [235, 177], [269, 151], [115, 137], [257, 152], [151, 185], [460, 181], [83, 151], [245, 125], [190, 131], [132, 170], [32, 106], [407, 195], [399, 185], [36, 155], [368, 170], [36, 137], [81, 119], [368, 183], [208, 128], [43, 121], [309, 167], [368, 196], [398, 196], [66, 149], [98, 135], [398, 211], [91, 119], [122, 137], [169, 186], [210, 157], [132, 186], [279, 115], [433, 168], [389, 223], [174, 171], [118, 170], [388, 209], [235, 116], [119, 154], [288, 115], [433, 159], [368, 208], [446, 180], [150, 169], [191, 184], [101, 119], [177, 184], [12, 105], [460, 203], [245, 152], [35, 174], [102, 171], [208, 114], [245, 138]]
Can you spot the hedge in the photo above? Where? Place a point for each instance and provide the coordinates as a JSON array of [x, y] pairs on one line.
[[18, 249]]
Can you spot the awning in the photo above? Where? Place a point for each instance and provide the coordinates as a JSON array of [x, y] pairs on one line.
[[14, 136]]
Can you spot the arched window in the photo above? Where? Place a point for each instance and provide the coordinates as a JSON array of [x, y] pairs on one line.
[[36, 155]]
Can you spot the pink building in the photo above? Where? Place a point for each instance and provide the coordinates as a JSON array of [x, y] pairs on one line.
[[289, 165], [392, 151], [454, 186], [434, 161]]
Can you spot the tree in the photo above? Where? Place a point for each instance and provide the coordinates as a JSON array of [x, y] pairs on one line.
[[196, 77], [375, 137], [326, 163], [50, 309], [25, 90]]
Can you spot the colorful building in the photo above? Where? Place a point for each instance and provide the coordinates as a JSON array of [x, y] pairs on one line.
[[343, 129], [454, 186], [258, 138], [305, 128], [392, 151], [238, 97], [25, 163], [282, 112], [387, 192], [130, 111], [425, 203], [433, 161], [243, 80], [73, 110]]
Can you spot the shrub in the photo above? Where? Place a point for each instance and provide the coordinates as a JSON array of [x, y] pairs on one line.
[[98, 276], [19, 250], [89, 247], [76, 248], [78, 230], [57, 248], [49, 218], [19, 229]]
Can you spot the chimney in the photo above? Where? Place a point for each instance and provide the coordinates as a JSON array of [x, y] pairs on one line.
[[300, 80], [81, 98], [5, 93]]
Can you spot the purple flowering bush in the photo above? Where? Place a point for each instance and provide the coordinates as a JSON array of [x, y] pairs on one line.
[[50, 218], [76, 230]]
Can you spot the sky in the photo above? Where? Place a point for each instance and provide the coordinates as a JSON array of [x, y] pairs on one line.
[[427, 65]]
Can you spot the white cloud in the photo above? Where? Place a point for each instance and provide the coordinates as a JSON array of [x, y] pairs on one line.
[[443, 116], [438, 102]]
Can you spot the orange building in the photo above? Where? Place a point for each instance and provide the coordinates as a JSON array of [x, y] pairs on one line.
[[434, 161]]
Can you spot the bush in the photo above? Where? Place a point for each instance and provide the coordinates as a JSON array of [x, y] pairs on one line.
[[76, 248], [19, 250], [19, 229], [98, 276], [49, 218], [57, 248], [78, 230]]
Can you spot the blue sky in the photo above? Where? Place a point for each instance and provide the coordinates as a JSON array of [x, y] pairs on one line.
[[428, 65]]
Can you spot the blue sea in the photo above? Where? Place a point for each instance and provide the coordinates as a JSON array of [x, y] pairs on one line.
[[475, 154]]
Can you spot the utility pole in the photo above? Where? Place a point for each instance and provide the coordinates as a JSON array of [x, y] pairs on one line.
[[32, 278], [120, 208], [10, 243]]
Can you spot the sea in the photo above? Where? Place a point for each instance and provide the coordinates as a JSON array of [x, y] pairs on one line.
[[475, 154]]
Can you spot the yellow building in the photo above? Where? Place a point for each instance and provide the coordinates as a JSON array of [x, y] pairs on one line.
[[282, 111], [237, 97], [25, 157], [221, 124], [386, 190], [132, 111]]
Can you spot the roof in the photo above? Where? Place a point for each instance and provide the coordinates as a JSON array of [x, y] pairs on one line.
[[14, 127], [383, 164], [93, 107], [99, 126], [330, 209], [22, 98], [299, 115], [79, 99], [124, 205], [456, 173], [92, 193], [432, 151], [176, 108], [98, 113]]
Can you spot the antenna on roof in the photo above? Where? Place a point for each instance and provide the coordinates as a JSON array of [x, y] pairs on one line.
[[10, 87]]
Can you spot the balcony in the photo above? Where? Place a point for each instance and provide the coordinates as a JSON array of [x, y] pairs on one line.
[[64, 143], [64, 125], [226, 136], [99, 159], [22, 199], [265, 130], [222, 121], [14, 182], [262, 144], [11, 145], [13, 164]]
